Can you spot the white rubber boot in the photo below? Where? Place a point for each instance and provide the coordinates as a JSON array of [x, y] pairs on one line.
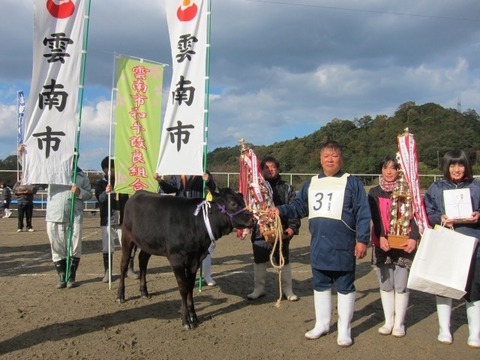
[[207, 271], [323, 314], [473, 316], [401, 305], [388, 305], [287, 283], [345, 307], [444, 312], [259, 276]]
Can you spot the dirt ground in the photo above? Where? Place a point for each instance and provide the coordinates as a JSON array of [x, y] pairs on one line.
[[40, 322]]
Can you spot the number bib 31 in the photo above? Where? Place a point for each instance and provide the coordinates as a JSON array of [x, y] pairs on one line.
[[325, 197]]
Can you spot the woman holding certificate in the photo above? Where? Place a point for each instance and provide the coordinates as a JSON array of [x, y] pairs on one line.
[[454, 201], [392, 262]]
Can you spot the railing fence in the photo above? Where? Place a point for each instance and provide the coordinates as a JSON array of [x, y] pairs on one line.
[[222, 179]]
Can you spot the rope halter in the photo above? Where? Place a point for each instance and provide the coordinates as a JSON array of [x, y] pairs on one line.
[[223, 210], [205, 206]]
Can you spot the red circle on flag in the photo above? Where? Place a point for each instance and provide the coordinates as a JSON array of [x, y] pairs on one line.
[[62, 10], [188, 13]]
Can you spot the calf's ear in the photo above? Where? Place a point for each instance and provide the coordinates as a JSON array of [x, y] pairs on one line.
[[215, 195]]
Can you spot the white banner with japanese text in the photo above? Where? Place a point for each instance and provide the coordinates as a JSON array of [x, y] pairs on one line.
[[51, 113], [137, 124], [182, 139]]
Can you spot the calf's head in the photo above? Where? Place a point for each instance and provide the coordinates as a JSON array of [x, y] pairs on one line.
[[232, 204]]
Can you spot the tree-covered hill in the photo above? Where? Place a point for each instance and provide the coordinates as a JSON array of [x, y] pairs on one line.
[[367, 140]]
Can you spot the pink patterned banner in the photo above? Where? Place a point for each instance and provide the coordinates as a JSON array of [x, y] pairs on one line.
[[407, 149]]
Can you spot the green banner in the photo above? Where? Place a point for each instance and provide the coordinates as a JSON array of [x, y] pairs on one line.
[[137, 124]]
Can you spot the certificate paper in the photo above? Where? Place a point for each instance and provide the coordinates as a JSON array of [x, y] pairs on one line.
[[457, 203]]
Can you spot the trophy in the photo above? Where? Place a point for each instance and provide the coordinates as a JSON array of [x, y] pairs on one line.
[[400, 213], [257, 193]]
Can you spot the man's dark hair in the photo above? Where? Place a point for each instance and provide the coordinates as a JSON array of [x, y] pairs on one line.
[[333, 145], [104, 163], [269, 158]]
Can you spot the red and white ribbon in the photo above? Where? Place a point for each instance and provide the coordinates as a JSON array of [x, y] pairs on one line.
[[407, 149]]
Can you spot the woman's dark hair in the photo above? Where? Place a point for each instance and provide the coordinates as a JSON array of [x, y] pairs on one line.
[[454, 157], [387, 159]]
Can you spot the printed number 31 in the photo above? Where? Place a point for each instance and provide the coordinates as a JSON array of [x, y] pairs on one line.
[[319, 198]]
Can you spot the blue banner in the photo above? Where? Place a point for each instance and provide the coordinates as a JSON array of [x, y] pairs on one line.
[[20, 115]]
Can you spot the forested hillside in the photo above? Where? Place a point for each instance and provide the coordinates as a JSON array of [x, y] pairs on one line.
[[367, 140]]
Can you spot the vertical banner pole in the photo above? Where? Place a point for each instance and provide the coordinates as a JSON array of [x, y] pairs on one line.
[[109, 175], [207, 89], [77, 140], [206, 112]]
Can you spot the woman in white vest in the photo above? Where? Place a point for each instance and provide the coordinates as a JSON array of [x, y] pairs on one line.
[[339, 221]]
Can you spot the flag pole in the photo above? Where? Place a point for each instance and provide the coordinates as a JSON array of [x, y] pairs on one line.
[[207, 87], [77, 140], [109, 174], [206, 110]]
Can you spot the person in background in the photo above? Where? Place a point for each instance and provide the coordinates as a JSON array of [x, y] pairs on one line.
[[392, 265], [24, 194], [58, 219], [6, 200], [117, 205], [191, 186], [457, 174], [58, 222], [283, 193], [339, 221]]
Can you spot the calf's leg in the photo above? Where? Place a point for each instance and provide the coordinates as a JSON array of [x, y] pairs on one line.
[[127, 246], [189, 317], [143, 258]]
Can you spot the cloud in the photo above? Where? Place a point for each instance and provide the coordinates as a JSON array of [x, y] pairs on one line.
[[279, 69]]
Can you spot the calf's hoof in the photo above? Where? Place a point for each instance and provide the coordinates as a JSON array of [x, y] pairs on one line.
[[146, 295], [190, 325]]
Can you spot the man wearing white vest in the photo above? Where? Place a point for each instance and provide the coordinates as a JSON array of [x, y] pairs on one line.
[[339, 220]]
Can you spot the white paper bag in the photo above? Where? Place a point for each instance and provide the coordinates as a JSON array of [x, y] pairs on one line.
[[442, 263]]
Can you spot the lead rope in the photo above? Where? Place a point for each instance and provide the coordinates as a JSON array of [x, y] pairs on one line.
[[278, 243]]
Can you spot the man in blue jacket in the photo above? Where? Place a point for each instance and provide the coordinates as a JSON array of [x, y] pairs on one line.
[[339, 221]]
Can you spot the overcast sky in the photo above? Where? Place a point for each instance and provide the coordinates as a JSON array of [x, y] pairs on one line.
[[279, 69]]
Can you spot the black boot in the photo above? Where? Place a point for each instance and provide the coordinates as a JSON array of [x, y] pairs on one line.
[[61, 267], [105, 265], [73, 273]]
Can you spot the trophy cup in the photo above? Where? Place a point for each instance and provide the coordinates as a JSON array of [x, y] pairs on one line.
[[400, 213], [257, 193]]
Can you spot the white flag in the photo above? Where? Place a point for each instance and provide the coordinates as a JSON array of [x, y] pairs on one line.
[[182, 139], [52, 114]]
